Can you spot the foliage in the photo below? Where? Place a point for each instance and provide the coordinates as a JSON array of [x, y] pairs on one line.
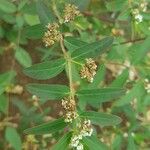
[[90, 76]]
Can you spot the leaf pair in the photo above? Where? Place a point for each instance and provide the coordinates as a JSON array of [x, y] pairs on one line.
[[55, 92], [97, 118], [50, 69]]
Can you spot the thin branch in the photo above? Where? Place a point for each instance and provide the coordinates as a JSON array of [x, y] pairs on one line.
[[133, 41]]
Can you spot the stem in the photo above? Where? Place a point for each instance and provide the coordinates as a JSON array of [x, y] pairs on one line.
[[77, 63], [69, 60], [56, 11]]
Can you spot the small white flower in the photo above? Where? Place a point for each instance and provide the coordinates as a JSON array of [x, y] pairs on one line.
[[125, 135], [132, 134], [80, 147], [74, 141], [138, 18]]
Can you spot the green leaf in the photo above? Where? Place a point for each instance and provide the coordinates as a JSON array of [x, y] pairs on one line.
[[72, 43], [93, 143], [3, 104], [120, 80], [13, 138], [99, 77], [81, 4], [48, 91], [5, 80], [92, 49], [116, 5], [63, 143], [100, 95], [136, 92], [117, 142], [23, 57], [31, 19], [131, 145], [49, 127], [7, 6], [139, 51], [45, 15], [45, 70], [102, 119], [34, 32]]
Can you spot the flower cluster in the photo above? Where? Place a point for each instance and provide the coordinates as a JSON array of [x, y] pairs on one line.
[[70, 12], [147, 85], [89, 70], [137, 16], [142, 7], [69, 106], [52, 34], [85, 130]]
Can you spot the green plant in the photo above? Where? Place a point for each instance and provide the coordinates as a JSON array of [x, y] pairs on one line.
[[101, 56]]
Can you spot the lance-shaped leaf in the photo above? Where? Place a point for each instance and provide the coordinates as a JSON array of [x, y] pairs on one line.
[[100, 118], [100, 95], [3, 104], [92, 49], [45, 70], [48, 91], [45, 15], [13, 138], [5, 80], [23, 57], [120, 80], [138, 92], [73, 43], [63, 142], [7, 6], [49, 127], [92, 143]]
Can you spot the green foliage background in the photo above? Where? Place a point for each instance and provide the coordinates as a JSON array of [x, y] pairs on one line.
[[117, 101]]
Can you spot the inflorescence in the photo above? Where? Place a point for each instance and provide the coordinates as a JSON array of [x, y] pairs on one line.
[[52, 34], [70, 12], [69, 107], [89, 70], [85, 129], [137, 12]]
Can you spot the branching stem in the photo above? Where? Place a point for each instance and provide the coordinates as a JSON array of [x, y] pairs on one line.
[[69, 60]]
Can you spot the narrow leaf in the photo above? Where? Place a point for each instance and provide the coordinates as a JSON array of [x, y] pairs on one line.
[[13, 138], [7, 6], [3, 104], [45, 15], [131, 144], [93, 143], [45, 70], [100, 95], [34, 32], [120, 80], [102, 119], [136, 92], [48, 91], [49, 127], [73, 43], [5, 79], [63, 142], [93, 49], [23, 57]]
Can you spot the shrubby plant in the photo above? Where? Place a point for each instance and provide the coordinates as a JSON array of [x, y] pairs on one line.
[[101, 48]]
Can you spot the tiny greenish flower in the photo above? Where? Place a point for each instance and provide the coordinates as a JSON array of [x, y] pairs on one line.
[[52, 34], [70, 12]]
